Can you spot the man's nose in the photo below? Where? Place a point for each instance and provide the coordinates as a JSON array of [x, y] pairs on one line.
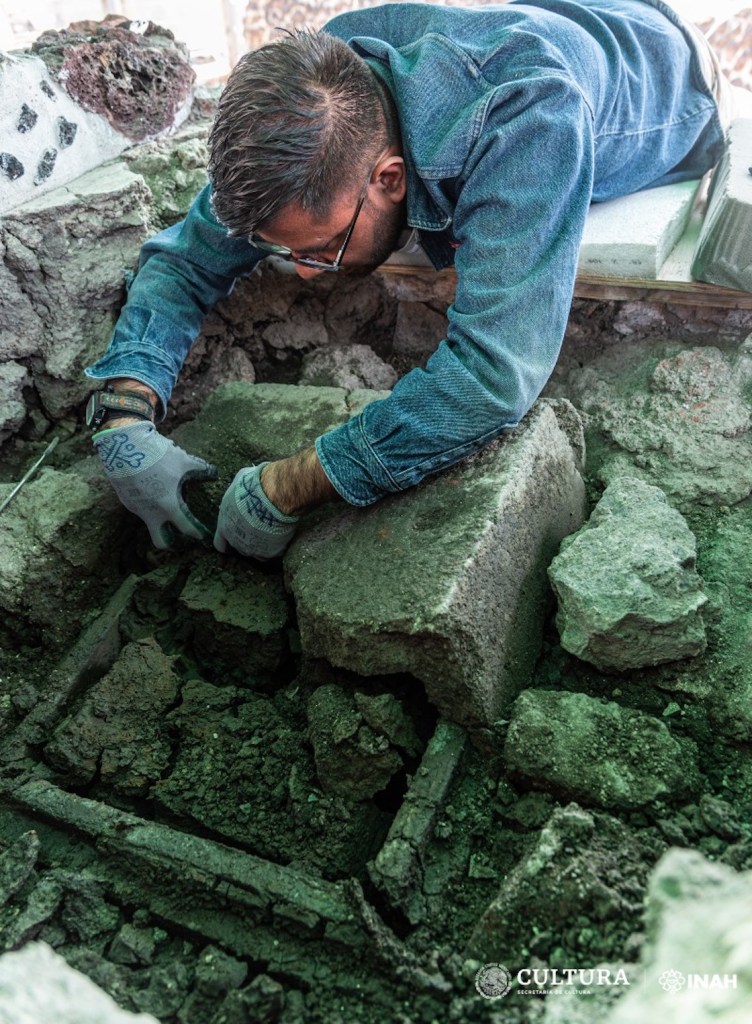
[[307, 272]]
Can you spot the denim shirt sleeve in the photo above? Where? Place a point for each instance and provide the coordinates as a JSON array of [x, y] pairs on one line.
[[520, 208], [183, 271]]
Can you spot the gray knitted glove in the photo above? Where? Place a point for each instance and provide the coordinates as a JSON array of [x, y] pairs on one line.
[[147, 472], [249, 522]]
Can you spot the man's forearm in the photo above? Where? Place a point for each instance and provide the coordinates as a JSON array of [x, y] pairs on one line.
[[298, 483]]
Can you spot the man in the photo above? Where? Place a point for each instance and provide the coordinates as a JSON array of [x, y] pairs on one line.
[[489, 131]]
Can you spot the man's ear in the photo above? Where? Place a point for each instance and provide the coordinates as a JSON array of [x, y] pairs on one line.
[[391, 178]]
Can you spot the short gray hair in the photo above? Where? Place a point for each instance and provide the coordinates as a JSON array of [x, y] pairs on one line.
[[297, 122]]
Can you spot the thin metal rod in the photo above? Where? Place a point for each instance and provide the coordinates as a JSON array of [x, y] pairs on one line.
[[29, 473]]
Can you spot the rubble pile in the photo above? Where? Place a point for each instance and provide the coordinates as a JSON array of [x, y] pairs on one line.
[[457, 753]]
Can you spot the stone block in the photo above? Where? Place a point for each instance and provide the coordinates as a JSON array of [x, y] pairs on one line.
[[724, 249], [254, 908], [448, 580], [235, 619], [38, 987], [14, 377], [675, 416], [398, 868], [633, 235], [53, 570], [585, 865], [355, 751], [597, 752], [351, 366], [62, 277], [696, 959], [628, 590], [117, 736], [244, 424]]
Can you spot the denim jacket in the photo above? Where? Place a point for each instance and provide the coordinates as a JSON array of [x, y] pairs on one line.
[[514, 119]]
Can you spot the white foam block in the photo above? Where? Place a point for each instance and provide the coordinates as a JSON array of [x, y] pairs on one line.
[[632, 236]]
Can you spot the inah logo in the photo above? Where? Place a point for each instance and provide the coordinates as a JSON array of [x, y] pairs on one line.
[[493, 981], [672, 981]]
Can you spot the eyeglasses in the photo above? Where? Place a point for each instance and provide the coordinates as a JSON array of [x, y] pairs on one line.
[[310, 261]]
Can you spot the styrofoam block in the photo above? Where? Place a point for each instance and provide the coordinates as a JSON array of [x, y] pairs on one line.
[[632, 236]]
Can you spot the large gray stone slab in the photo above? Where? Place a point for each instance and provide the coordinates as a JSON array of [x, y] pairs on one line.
[[38, 987], [696, 960], [596, 751], [628, 590], [447, 581], [724, 250]]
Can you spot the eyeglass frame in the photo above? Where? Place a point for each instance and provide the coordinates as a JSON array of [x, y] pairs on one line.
[[285, 253]]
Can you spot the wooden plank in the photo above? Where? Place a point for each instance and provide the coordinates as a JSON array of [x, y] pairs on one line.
[[680, 293]]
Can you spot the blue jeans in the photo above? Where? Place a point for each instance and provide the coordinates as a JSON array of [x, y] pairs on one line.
[[514, 119]]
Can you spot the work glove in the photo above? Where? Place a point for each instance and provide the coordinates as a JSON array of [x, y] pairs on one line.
[[249, 522], [147, 472]]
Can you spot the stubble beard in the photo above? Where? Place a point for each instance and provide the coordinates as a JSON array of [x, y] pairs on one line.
[[385, 239]]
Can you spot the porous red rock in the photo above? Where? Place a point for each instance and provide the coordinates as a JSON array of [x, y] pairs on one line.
[[132, 73]]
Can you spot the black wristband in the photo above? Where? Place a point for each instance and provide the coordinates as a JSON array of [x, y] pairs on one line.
[[103, 403]]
